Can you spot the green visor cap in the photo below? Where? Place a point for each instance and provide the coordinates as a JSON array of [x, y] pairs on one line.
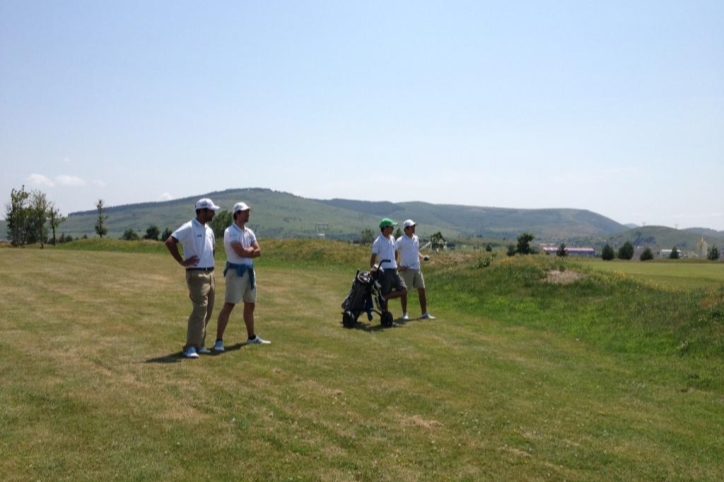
[[387, 222]]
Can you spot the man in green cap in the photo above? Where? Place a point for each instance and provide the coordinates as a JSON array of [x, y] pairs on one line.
[[385, 247]]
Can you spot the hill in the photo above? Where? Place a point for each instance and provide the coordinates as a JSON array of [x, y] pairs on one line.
[[283, 215]]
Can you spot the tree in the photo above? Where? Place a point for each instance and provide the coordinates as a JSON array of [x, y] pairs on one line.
[[55, 219], [366, 237], [221, 221], [511, 250], [674, 253], [152, 233], [398, 233], [626, 251], [166, 233], [488, 248], [607, 254], [713, 253], [37, 217], [438, 241], [101, 228], [129, 235], [562, 251], [17, 216], [647, 255], [524, 243]]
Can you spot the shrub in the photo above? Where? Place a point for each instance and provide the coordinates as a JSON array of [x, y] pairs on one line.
[[713, 253], [674, 253], [626, 251], [129, 235], [152, 233], [561, 251], [524, 243], [646, 255], [607, 253]]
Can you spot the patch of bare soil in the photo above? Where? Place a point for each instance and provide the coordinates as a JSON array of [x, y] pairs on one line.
[[562, 277]]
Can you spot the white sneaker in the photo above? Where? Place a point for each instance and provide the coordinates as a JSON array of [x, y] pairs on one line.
[[203, 351], [190, 352], [257, 341], [427, 316], [405, 316], [219, 345]]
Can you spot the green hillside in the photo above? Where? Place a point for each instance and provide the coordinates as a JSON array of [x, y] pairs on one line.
[[282, 215]]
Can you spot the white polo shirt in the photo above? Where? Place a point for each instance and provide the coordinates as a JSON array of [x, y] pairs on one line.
[[409, 249], [234, 234], [197, 240], [385, 249]]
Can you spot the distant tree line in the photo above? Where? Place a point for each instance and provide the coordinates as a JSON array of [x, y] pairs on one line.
[[627, 252], [152, 233]]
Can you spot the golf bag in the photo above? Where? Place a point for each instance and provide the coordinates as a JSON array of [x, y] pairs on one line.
[[365, 288]]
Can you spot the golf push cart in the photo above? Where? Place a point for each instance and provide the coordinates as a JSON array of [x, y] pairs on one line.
[[365, 288]]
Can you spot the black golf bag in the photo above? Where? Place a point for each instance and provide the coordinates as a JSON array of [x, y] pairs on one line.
[[365, 288]]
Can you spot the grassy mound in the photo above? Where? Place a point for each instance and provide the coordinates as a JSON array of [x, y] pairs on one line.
[[612, 311]]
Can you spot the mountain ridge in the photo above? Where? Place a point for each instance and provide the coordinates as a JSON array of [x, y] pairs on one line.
[[279, 214]]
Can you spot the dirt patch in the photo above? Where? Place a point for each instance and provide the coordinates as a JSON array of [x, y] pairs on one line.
[[562, 277]]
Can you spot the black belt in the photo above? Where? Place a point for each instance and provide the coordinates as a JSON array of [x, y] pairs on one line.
[[205, 270]]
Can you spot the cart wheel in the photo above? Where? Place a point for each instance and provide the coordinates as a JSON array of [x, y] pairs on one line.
[[387, 319], [348, 320]]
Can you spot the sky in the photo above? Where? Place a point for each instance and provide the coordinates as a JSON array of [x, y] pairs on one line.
[[616, 107]]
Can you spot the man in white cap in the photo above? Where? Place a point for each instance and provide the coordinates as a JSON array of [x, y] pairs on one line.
[[241, 247], [197, 240], [408, 247]]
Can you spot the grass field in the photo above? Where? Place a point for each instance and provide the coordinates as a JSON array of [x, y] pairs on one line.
[[679, 273], [605, 378]]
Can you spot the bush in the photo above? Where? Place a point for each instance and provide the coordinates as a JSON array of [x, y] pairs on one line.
[[511, 250], [129, 235], [674, 253], [646, 255], [524, 243], [713, 253], [607, 254], [561, 251], [626, 251], [152, 233]]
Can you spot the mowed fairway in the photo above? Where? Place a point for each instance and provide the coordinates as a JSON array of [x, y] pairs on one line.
[[675, 272], [93, 388]]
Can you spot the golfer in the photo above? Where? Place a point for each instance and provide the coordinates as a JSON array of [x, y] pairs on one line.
[[408, 247], [385, 247], [197, 240], [241, 247]]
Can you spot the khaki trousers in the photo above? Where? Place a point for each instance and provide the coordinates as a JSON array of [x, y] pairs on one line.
[[202, 287]]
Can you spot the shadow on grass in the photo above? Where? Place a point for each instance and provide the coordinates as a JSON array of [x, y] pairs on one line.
[[178, 356], [374, 326]]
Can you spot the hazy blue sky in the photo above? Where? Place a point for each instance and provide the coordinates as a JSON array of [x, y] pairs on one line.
[[612, 106]]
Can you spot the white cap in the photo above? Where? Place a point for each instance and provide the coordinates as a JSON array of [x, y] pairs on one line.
[[206, 203], [240, 207], [409, 223]]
